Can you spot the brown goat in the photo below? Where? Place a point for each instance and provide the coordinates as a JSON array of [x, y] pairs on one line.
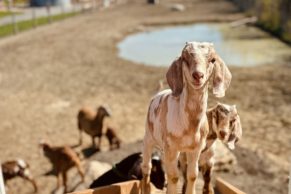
[[17, 168], [113, 139], [92, 123], [62, 158]]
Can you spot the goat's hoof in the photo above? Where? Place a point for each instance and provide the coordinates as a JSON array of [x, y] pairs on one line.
[[208, 190], [145, 185]]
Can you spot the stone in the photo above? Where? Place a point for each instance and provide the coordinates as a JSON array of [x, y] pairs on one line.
[[177, 7]]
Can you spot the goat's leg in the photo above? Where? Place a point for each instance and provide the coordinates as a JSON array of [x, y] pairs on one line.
[[206, 171], [99, 143], [146, 166], [81, 172], [32, 181], [192, 170], [171, 166], [27, 176], [64, 175], [80, 137], [59, 181], [183, 167]]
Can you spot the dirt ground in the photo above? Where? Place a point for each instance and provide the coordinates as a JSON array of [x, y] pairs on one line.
[[47, 74]]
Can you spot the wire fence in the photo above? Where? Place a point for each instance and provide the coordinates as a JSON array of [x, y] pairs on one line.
[[20, 16]]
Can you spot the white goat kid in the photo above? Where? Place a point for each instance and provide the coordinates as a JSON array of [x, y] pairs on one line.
[[175, 117]]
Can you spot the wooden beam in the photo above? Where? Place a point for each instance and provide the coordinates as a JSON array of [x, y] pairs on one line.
[[224, 187], [2, 186], [129, 187]]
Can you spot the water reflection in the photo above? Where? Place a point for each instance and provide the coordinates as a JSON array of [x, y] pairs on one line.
[[241, 46]]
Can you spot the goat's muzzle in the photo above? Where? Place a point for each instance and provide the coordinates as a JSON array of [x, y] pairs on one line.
[[197, 77]]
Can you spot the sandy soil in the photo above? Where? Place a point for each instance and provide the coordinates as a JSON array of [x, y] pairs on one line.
[[47, 74]]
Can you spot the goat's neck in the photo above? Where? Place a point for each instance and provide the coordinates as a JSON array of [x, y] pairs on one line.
[[194, 101], [99, 120]]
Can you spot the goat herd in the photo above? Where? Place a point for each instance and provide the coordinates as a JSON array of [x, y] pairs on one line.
[[63, 158], [178, 123]]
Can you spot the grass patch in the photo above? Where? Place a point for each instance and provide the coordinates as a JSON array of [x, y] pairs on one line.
[[8, 29], [4, 14]]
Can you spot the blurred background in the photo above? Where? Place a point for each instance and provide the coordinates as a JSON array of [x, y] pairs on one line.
[[57, 56]]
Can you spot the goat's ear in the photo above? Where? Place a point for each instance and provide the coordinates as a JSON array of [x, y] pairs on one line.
[[231, 144], [175, 77], [222, 75], [214, 117], [238, 127], [237, 133]]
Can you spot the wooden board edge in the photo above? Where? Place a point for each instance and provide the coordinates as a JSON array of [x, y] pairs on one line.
[[224, 187], [128, 187]]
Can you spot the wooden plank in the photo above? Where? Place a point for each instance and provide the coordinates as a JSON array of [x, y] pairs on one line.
[[133, 187], [224, 187], [2, 186], [129, 187]]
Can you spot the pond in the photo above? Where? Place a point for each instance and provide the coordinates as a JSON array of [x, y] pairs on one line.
[[238, 46]]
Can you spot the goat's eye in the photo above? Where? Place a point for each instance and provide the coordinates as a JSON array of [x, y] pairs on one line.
[[212, 60]]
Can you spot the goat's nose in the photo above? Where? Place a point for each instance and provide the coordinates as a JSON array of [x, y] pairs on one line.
[[197, 75], [222, 134]]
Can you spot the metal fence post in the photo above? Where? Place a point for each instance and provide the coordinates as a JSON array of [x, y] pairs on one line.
[[48, 9], [62, 8], [2, 187], [15, 27], [34, 17]]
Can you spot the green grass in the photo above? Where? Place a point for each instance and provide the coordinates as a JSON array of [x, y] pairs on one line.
[[7, 30], [4, 14]]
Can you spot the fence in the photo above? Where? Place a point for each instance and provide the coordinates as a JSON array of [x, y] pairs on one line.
[[28, 15]]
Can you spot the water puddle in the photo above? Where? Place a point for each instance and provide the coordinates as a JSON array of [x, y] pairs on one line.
[[240, 46]]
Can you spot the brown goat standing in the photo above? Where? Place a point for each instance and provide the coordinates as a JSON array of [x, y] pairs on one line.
[[113, 139], [62, 158], [15, 168], [92, 123]]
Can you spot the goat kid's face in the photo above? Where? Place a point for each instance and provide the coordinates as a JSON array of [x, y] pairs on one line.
[[195, 66], [227, 124]]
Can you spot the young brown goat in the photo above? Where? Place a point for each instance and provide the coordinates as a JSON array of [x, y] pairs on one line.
[[113, 139], [17, 168], [92, 123], [224, 124], [62, 158]]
